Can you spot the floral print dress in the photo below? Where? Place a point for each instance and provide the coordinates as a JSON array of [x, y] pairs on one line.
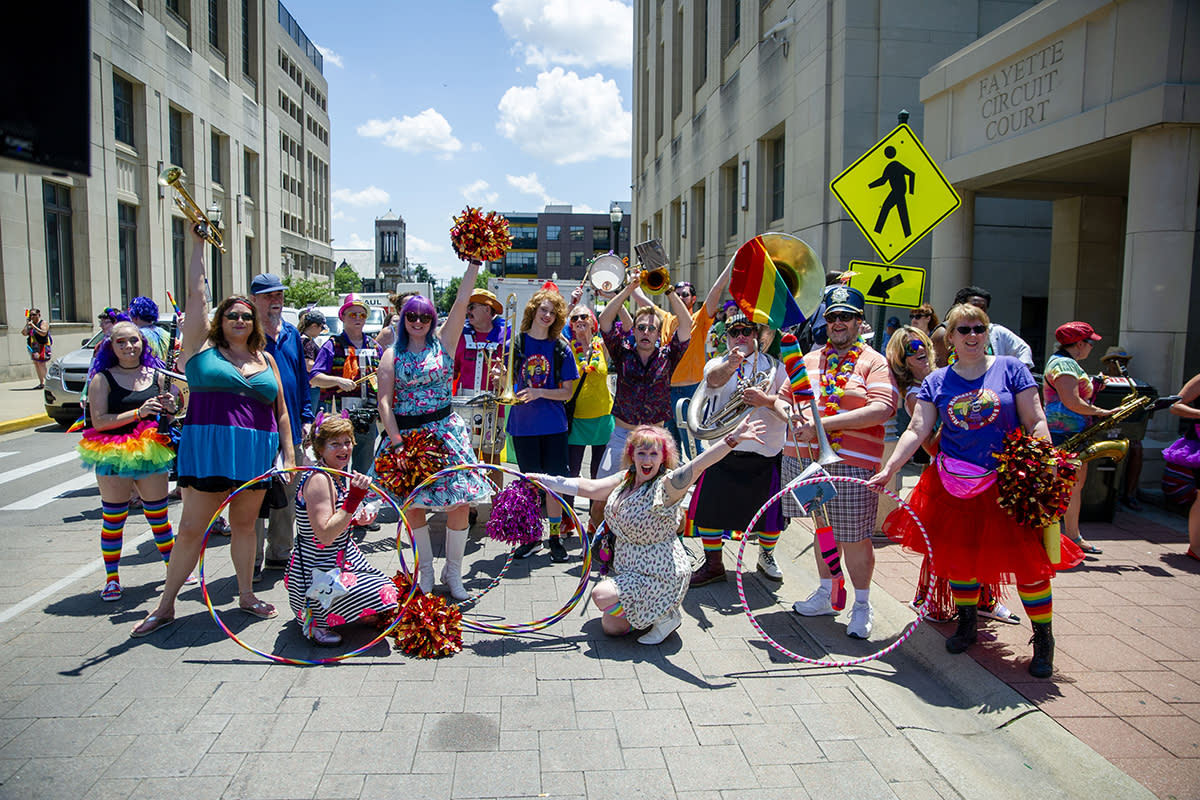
[[423, 386], [651, 567]]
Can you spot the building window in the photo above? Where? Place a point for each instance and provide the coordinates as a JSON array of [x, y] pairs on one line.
[[250, 256], [175, 136], [123, 110], [733, 22], [576, 258], [524, 237], [576, 233], [553, 258], [698, 215], [217, 171], [247, 62], [553, 233], [127, 261], [249, 173], [179, 254], [700, 45], [777, 175], [729, 191], [215, 281], [173, 6], [60, 262], [214, 23], [600, 237]]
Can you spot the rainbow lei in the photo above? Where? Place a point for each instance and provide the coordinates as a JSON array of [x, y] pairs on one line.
[[834, 378], [594, 359], [480, 237]]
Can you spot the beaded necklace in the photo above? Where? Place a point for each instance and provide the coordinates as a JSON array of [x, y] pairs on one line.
[[834, 378], [594, 359]]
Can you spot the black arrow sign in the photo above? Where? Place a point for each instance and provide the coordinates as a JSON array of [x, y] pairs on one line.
[[880, 287]]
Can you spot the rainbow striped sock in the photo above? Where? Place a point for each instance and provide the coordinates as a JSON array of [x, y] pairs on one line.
[[1038, 600], [555, 526], [712, 538], [965, 591], [768, 540], [156, 515], [112, 532], [615, 610]]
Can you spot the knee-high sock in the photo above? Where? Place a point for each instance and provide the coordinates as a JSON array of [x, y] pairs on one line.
[[112, 531], [615, 610], [712, 538], [1038, 600], [965, 591], [768, 540], [160, 526], [555, 526]]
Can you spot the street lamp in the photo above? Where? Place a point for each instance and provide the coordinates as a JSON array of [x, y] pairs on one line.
[[615, 214]]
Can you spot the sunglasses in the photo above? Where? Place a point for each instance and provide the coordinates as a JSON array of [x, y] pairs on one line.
[[581, 318], [965, 329], [646, 328], [739, 330], [356, 315], [841, 316], [424, 319], [234, 316], [916, 346], [919, 315]]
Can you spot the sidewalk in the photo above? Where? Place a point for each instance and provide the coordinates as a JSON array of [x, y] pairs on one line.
[[21, 406]]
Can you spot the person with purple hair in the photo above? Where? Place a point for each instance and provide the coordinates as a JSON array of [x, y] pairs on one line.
[[123, 444], [414, 395], [144, 313]]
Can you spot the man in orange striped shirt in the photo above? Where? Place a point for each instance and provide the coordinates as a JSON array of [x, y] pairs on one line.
[[856, 394]]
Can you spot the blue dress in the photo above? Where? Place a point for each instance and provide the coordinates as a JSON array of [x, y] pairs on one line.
[[229, 434], [423, 386]]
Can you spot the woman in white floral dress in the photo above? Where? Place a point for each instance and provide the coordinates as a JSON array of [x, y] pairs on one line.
[[650, 566], [414, 394]]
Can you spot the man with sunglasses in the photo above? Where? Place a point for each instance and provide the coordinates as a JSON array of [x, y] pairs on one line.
[[856, 394], [1001, 341], [480, 347]]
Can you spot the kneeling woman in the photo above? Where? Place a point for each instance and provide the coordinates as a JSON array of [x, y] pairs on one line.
[[325, 507], [650, 565]]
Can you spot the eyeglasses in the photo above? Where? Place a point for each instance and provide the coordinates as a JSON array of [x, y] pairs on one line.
[[739, 330], [840, 316], [646, 328], [234, 316], [915, 346], [919, 315], [424, 319], [977, 329], [581, 318]]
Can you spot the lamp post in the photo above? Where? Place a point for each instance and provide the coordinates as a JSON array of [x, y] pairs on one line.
[[615, 214]]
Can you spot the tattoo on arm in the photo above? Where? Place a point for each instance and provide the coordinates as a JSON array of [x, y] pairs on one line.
[[681, 477]]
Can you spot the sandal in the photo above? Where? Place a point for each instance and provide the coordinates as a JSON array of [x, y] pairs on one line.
[[260, 609], [1089, 548], [111, 592], [149, 625]]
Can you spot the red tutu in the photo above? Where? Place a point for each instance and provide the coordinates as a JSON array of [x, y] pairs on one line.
[[975, 537]]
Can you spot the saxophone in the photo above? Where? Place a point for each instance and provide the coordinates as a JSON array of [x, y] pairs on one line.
[[1087, 446]]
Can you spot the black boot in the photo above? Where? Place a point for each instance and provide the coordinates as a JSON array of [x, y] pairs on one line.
[[1042, 663], [965, 633]]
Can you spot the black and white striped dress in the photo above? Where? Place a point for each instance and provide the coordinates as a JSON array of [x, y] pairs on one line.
[[370, 591]]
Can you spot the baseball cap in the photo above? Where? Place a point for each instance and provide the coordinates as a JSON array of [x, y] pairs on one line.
[[265, 284], [1074, 332]]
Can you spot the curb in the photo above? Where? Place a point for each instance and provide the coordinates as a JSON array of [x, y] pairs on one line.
[[10, 425]]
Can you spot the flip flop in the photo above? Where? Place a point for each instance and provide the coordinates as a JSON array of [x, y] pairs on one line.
[[261, 609], [149, 625]]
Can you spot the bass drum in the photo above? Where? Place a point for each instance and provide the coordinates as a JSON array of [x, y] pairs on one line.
[[606, 273]]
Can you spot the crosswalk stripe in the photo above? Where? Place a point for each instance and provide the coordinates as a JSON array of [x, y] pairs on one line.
[[37, 466], [8, 453], [53, 493]]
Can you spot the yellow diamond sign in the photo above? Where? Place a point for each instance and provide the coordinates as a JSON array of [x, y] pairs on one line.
[[895, 193]]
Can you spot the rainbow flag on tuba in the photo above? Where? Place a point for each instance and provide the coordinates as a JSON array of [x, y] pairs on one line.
[[759, 289]]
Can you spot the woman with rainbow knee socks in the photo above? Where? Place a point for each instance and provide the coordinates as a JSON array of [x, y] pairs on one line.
[[123, 444], [980, 399]]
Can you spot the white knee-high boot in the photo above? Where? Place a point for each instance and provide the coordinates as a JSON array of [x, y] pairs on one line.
[[424, 558], [456, 545]]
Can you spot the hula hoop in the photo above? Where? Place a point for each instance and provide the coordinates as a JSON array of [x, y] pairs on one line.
[[525, 627], [850, 662], [299, 662]]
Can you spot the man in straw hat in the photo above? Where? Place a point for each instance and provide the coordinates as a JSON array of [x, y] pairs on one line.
[[479, 349]]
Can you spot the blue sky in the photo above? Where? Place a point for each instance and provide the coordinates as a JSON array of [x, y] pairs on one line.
[[508, 105]]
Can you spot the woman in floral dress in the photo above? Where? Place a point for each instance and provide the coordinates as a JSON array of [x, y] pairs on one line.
[[414, 395], [650, 565]]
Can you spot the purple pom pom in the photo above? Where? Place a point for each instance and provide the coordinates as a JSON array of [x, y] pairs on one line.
[[516, 514]]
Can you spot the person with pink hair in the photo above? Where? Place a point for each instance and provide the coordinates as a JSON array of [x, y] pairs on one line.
[[650, 567]]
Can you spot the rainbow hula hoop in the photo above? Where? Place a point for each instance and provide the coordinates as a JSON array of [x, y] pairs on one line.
[[525, 627], [301, 662], [817, 661]]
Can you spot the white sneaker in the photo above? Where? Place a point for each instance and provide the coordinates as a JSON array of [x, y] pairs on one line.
[[862, 619], [663, 628], [1001, 612], [767, 565], [818, 604]]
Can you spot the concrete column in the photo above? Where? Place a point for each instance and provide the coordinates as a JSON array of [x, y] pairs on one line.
[[953, 250], [1086, 246], [1160, 233]]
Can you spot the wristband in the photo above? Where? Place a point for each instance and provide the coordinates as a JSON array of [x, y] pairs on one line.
[[353, 498], [732, 444]]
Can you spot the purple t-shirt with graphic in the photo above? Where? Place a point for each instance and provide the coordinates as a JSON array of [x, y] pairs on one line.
[[977, 415]]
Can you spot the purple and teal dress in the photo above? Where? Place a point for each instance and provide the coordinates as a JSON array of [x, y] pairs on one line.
[[229, 433]]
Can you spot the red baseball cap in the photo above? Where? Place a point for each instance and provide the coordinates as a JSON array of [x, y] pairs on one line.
[[1073, 332]]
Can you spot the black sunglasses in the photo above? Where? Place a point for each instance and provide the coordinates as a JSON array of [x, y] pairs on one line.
[[645, 327], [739, 330], [919, 315], [840, 316], [579, 317], [234, 316], [965, 329], [424, 319]]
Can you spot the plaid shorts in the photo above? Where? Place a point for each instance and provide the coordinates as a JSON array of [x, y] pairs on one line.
[[851, 513]]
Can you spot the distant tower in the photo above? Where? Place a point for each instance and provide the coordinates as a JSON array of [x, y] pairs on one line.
[[390, 250]]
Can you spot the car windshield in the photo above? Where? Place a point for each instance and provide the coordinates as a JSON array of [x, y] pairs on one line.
[[94, 342]]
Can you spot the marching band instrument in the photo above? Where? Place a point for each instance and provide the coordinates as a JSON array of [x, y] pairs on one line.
[[606, 273], [1086, 444], [799, 266], [707, 421], [172, 178], [654, 281], [507, 396]]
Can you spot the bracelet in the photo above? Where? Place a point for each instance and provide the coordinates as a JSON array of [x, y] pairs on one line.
[[732, 444], [353, 498]]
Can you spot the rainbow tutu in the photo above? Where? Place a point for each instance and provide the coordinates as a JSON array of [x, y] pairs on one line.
[[142, 451]]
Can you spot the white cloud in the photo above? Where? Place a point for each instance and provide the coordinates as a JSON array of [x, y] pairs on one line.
[[370, 196], [567, 119], [356, 243], [526, 184], [330, 56], [416, 244], [572, 32], [426, 132], [478, 193]]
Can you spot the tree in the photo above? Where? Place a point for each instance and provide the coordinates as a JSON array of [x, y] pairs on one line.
[[346, 280], [420, 274], [300, 292], [445, 298]]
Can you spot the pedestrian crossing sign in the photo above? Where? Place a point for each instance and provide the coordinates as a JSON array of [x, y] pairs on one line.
[[895, 193]]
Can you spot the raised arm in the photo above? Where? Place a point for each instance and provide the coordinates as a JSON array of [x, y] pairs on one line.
[[195, 305], [451, 331], [684, 329], [609, 312], [712, 303]]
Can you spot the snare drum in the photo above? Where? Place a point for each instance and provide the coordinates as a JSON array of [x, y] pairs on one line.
[[606, 273]]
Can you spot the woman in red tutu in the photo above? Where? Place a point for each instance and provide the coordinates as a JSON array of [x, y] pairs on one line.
[[979, 398]]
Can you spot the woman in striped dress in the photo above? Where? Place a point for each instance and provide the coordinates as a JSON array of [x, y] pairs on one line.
[[329, 580]]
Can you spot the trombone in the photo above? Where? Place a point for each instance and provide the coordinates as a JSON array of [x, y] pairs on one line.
[[172, 178]]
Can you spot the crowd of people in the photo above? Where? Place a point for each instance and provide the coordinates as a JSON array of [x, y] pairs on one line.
[[601, 398]]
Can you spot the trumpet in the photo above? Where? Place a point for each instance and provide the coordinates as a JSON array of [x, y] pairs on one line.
[[172, 178]]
